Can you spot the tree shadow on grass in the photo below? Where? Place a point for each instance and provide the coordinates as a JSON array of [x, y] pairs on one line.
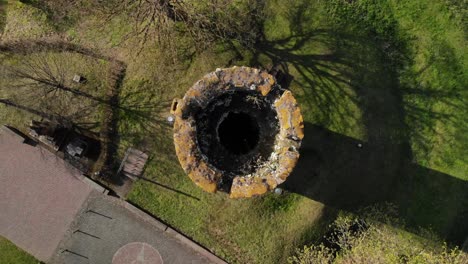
[[3, 4], [108, 104], [141, 117], [132, 116], [140, 125], [334, 170], [168, 188], [357, 82], [62, 15]]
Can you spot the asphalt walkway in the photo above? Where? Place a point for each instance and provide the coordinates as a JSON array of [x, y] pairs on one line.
[[51, 211], [106, 228], [40, 195]]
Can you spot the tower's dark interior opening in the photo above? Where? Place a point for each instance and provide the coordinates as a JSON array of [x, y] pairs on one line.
[[239, 133], [236, 132]]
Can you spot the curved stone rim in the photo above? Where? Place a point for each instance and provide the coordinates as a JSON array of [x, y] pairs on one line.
[[287, 143]]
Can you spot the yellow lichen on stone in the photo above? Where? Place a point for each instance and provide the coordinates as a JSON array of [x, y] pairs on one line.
[[264, 89], [175, 109], [184, 144], [194, 166], [267, 78], [271, 172], [192, 93], [247, 187], [211, 78], [289, 115], [287, 162], [207, 184], [271, 182]]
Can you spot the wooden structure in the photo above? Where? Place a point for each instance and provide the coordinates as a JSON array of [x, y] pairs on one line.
[[133, 164], [49, 133]]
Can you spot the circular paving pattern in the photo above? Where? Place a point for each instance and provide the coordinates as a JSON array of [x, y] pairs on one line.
[[137, 253]]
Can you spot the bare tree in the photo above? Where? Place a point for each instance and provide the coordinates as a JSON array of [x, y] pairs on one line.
[[46, 75], [41, 81], [38, 72], [205, 21]]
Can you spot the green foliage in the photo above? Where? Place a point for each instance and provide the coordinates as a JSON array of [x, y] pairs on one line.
[[3, 4], [81, 105], [377, 243], [373, 16], [272, 202], [434, 85], [240, 231], [10, 254], [392, 72], [23, 21], [380, 42], [313, 255]]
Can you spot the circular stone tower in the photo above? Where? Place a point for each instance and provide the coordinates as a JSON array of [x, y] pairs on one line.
[[236, 130]]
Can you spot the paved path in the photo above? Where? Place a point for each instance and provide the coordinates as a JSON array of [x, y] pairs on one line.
[[39, 195], [107, 229], [54, 213]]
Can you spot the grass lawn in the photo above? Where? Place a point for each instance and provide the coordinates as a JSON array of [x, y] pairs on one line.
[[387, 74], [22, 21], [84, 109], [363, 73], [10, 254]]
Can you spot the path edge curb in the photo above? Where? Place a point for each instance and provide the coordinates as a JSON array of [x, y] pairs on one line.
[[172, 232]]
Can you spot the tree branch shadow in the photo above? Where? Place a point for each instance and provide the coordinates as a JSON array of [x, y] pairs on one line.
[[168, 187], [125, 115], [3, 5], [356, 81]]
